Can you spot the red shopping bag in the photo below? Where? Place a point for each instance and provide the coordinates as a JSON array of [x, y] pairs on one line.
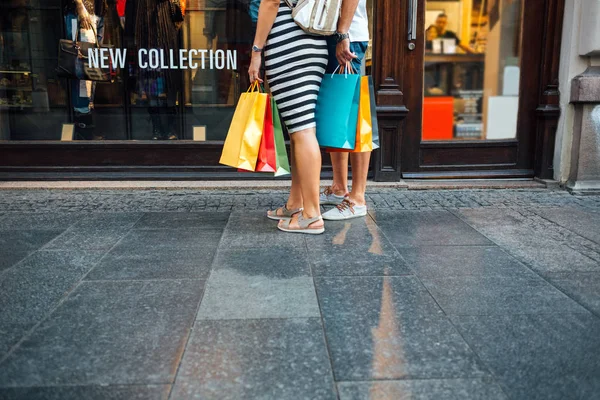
[[267, 160]]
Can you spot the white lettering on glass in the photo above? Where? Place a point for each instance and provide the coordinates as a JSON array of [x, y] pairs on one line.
[[193, 53], [220, 59], [104, 57], [203, 52], [157, 58], [154, 58], [182, 59], [93, 57], [231, 60], [163, 64], [118, 56], [142, 63]]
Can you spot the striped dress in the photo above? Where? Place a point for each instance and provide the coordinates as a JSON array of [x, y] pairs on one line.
[[295, 63]]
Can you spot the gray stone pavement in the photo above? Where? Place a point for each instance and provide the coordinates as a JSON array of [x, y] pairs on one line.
[[191, 294]]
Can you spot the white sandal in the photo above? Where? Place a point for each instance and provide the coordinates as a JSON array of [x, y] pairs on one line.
[[304, 225]]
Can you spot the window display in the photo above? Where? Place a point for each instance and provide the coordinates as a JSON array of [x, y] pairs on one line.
[[175, 66]]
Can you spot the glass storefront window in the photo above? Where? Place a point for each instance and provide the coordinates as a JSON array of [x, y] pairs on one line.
[[175, 80], [472, 69]]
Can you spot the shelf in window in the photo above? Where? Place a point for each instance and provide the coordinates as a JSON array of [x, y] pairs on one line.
[[14, 72], [9, 106], [21, 88]]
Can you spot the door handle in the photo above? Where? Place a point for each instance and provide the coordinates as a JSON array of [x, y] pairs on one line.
[[413, 8]]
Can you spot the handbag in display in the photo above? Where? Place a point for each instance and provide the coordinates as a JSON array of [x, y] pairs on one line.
[[317, 17], [177, 10], [74, 63]]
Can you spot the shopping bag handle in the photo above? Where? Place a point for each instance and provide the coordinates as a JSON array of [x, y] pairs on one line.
[[256, 87], [344, 69]]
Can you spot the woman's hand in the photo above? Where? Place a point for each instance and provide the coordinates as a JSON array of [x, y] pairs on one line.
[[343, 53], [255, 64]]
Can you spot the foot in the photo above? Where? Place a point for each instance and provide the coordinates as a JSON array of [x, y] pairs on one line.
[[346, 210], [328, 197], [301, 224]]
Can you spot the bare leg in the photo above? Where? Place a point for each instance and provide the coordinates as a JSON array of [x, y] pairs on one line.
[[360, 170], [339, 162], [295, 197], [307, 166]]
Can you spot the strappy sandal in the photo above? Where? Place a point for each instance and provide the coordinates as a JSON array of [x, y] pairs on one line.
[[303, 225], [287, 214]]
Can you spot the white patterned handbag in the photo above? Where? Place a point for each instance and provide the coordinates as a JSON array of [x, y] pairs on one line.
[[318, 17]]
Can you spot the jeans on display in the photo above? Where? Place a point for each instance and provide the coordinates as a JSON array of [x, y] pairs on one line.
[[82, 102]]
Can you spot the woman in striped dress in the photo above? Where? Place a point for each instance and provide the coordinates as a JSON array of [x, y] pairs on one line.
[[295, 63]]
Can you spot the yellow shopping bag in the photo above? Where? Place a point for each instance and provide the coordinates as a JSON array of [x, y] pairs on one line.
[[242, 144], [364, 127]]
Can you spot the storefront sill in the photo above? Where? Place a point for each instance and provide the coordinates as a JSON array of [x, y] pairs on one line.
[[474, 174]]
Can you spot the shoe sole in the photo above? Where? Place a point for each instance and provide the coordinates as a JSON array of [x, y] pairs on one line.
[[330, 203], [344, 218], [305, 231]]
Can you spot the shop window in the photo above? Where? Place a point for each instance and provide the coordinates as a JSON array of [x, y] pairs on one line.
[[179, 81], [472, 69]]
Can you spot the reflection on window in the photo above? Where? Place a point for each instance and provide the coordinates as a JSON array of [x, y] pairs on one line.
[[472, 69]]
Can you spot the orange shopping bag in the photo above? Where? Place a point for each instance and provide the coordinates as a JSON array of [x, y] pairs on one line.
[[242, 144], [364, 127]]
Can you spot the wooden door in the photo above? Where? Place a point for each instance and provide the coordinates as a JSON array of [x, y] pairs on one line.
[[485, 109]]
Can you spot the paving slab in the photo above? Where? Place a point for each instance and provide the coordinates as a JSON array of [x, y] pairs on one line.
[[270, 262], [254, 229], [426, 389], [256, 359], [123, 263], [584, 287], [191, 238], [584, 222], [39, 221], [181, 220], [108, 333], [544, 246], [30, 290], [543, 356], [234, 295], [410, 228], [129, 392], [10, 258], [447, 261], [26, 240], [100, 231], [390, 328], [486, 295], [354, 247]]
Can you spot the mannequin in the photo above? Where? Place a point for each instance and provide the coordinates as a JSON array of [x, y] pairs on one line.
[[148, 25], [82, 18]]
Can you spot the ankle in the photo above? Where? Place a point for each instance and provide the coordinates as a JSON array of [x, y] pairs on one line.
[[358, 199], [339, 190]]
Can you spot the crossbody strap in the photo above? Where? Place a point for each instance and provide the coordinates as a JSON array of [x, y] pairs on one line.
[[289, 4]]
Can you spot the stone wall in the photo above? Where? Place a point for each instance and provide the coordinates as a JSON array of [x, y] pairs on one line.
[[577, 155]]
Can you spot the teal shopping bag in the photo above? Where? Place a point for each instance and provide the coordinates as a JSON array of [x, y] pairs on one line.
[[337, 110]]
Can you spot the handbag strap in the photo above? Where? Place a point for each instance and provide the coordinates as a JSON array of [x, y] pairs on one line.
[[289, 4]]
